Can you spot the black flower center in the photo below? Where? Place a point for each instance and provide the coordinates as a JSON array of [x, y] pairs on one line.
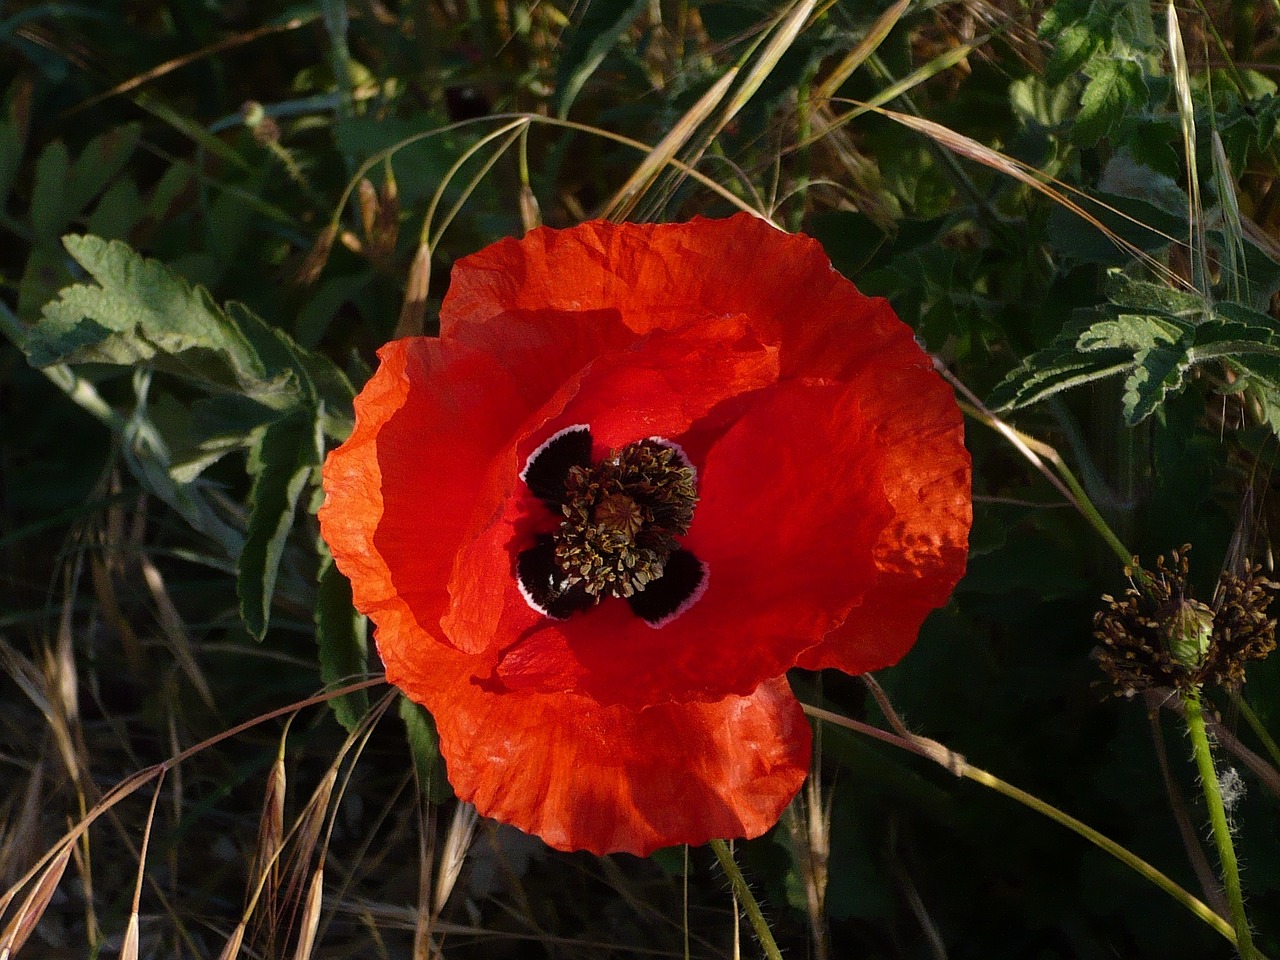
[[620, 520]]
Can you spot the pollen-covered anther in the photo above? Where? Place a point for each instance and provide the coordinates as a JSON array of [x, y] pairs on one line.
[[622, 517]]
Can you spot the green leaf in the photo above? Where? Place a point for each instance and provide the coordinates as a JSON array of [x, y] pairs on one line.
[[1071, 50], [142, 313], [320, 379], [49, 207], [424, 748], [1052, 371], [1144, 295], [98, 164], [217, 425], [1116, 91], [1139, 222], [340, 634], [1131, 332], [282, 462], [1158, 373], [118, 212], [595, 33]]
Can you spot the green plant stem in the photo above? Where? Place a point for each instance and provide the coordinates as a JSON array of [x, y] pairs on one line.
[[1218, 819], [758, 923]]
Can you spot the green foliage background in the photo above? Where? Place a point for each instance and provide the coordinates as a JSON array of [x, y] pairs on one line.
[[211, 212]]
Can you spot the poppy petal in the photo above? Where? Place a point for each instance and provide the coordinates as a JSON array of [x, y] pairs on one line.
[[606, 779], [654, 276], [393, 512], [921, 554]]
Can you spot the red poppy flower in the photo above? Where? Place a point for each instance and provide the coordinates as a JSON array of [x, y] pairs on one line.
[[643, 471]]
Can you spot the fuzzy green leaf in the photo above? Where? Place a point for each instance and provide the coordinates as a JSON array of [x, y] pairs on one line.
[[1131, 332], [142, 313], [282, 461], [1071, 50], [1157, 373], [1054, 370], [1144, 295], [1117, 90]]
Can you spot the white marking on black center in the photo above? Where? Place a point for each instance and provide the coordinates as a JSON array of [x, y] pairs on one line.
[[545, 585], [545, 470]]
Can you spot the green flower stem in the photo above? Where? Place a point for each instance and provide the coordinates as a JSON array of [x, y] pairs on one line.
[[758, 923], [955, 763], [1218, 819]]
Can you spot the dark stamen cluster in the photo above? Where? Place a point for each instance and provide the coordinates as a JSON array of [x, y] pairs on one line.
[[1160, 636], [622, 517]]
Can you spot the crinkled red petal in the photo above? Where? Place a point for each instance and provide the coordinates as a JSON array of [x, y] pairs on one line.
[[605, 779], [791, 508], [655, 276], [399, 492], [921, 554]]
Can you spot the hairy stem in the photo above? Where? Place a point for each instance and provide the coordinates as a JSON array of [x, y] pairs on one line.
[[1218, 819], [739, 882]]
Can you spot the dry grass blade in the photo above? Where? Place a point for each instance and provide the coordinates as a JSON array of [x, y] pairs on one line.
[[160, 70], [104, 589], [33, 682], [1232, 223], [968, 147], [129, 951], [129, 948], [414, 308], [1187, 118], [21, 837], [271, 829], [33, 907], [808, 821], [175, 631], [308, 829], [789, 27], [623, 202], [456, 844], [937, 65], [311, 916], [234, 942], [858, 55]]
